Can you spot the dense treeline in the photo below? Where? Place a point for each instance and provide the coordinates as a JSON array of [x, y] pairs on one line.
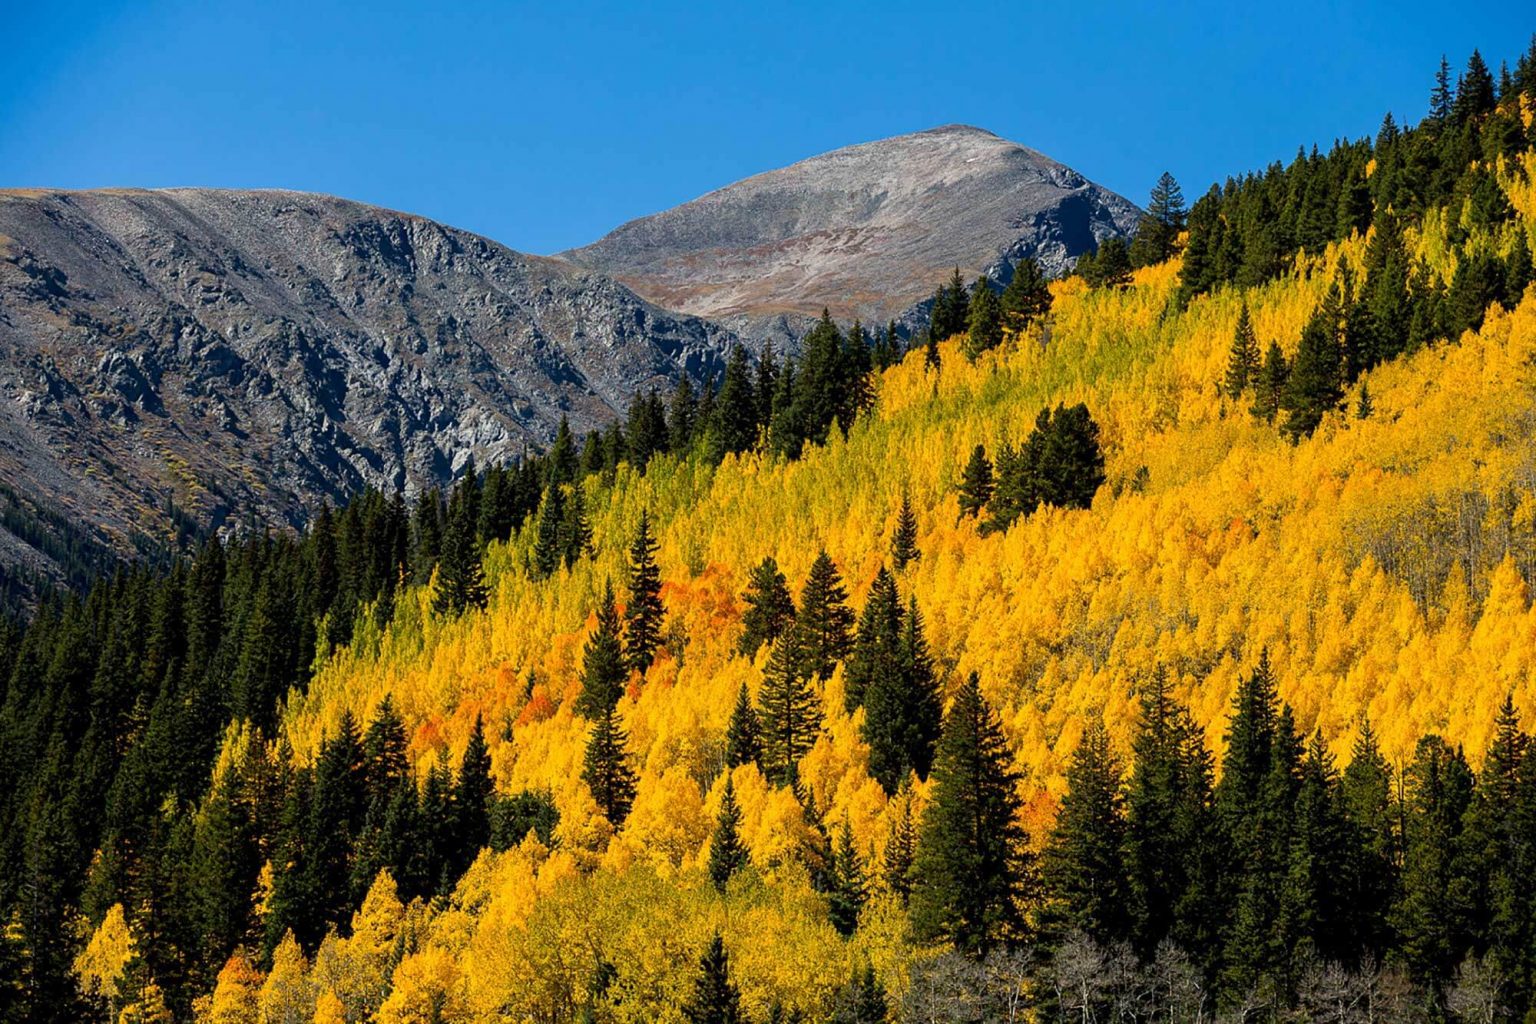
[[113, 706], [1284, 888], [1247, 231]]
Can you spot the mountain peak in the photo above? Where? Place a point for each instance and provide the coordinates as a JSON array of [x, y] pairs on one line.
[[866, 230]]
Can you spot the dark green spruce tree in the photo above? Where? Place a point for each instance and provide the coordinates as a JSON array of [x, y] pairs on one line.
[[824, 625], [743, 736], [904, 541], [715, 999], [1027, 299], [790, 713], [903, 708], [603, 671], [1315, 386], [1083, 867], [876, 642], [770, 608], [976, 482], [849, 887], [727, 855], [473, 796], [642, 625], [1243, 363], [971, 865], [984, 320], [606, 768]]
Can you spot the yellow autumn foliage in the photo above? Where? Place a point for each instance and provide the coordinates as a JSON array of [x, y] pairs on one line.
[[1384, 562]]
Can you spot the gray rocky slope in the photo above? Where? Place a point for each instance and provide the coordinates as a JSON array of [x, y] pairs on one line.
[[866, 231], [250, 353]]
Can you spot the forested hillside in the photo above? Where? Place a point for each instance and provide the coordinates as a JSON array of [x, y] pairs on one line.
[[1155, 643]]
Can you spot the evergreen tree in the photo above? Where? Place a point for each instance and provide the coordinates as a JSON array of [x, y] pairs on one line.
[[770, 608], [727, 855], [1474, 92], [743, 736], [1364, 407], [1442, 98], [1171, 848], [1158, 232], [714, 1000], [561, 463], [1109, 266], [984, 320], [1319, 912], [606, 769], [900, 852], [1315, 385], [335, 816], [903, 708], [388, 835], [849, 889], [1365, 792], [1430, 916], [904, 541], [1084, 865], [603, 671], [1271, 389], [574, 535], [427, 530], [548, 548], [790, 714], [976, 483], [875, 646], [222, 870], [1066, 460], [970, 868], [460, 582], [767, 385], [823, 626], [642, 626], [1385, 292], [473, 795], [1027, 299], [1498, 850], [1518, 272], [1243, 363], [951, 309], [434, 857], [737, 412]]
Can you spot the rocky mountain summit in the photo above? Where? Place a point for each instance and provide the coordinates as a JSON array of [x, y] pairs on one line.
[[865, 231], [192, 355]]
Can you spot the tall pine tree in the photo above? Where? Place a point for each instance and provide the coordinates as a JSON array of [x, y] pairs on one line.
[[642, 626], [971, 864]]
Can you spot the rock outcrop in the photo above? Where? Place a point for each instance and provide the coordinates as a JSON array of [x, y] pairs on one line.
[[248, 354]]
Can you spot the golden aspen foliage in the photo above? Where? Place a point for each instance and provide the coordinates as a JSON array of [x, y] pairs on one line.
[[1384, 562], [328, 1009], [236, 994], [101, 965], [287, 996]]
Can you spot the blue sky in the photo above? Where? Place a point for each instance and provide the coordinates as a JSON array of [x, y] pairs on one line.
[[544, 125]]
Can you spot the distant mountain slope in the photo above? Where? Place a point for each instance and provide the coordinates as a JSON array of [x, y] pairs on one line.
[[865, 231], [255, 352]]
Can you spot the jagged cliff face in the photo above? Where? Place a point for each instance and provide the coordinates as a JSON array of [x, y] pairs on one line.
[[249, 354], [865, 231]]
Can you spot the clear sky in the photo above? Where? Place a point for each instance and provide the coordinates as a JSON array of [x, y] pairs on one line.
[[544, 125]]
